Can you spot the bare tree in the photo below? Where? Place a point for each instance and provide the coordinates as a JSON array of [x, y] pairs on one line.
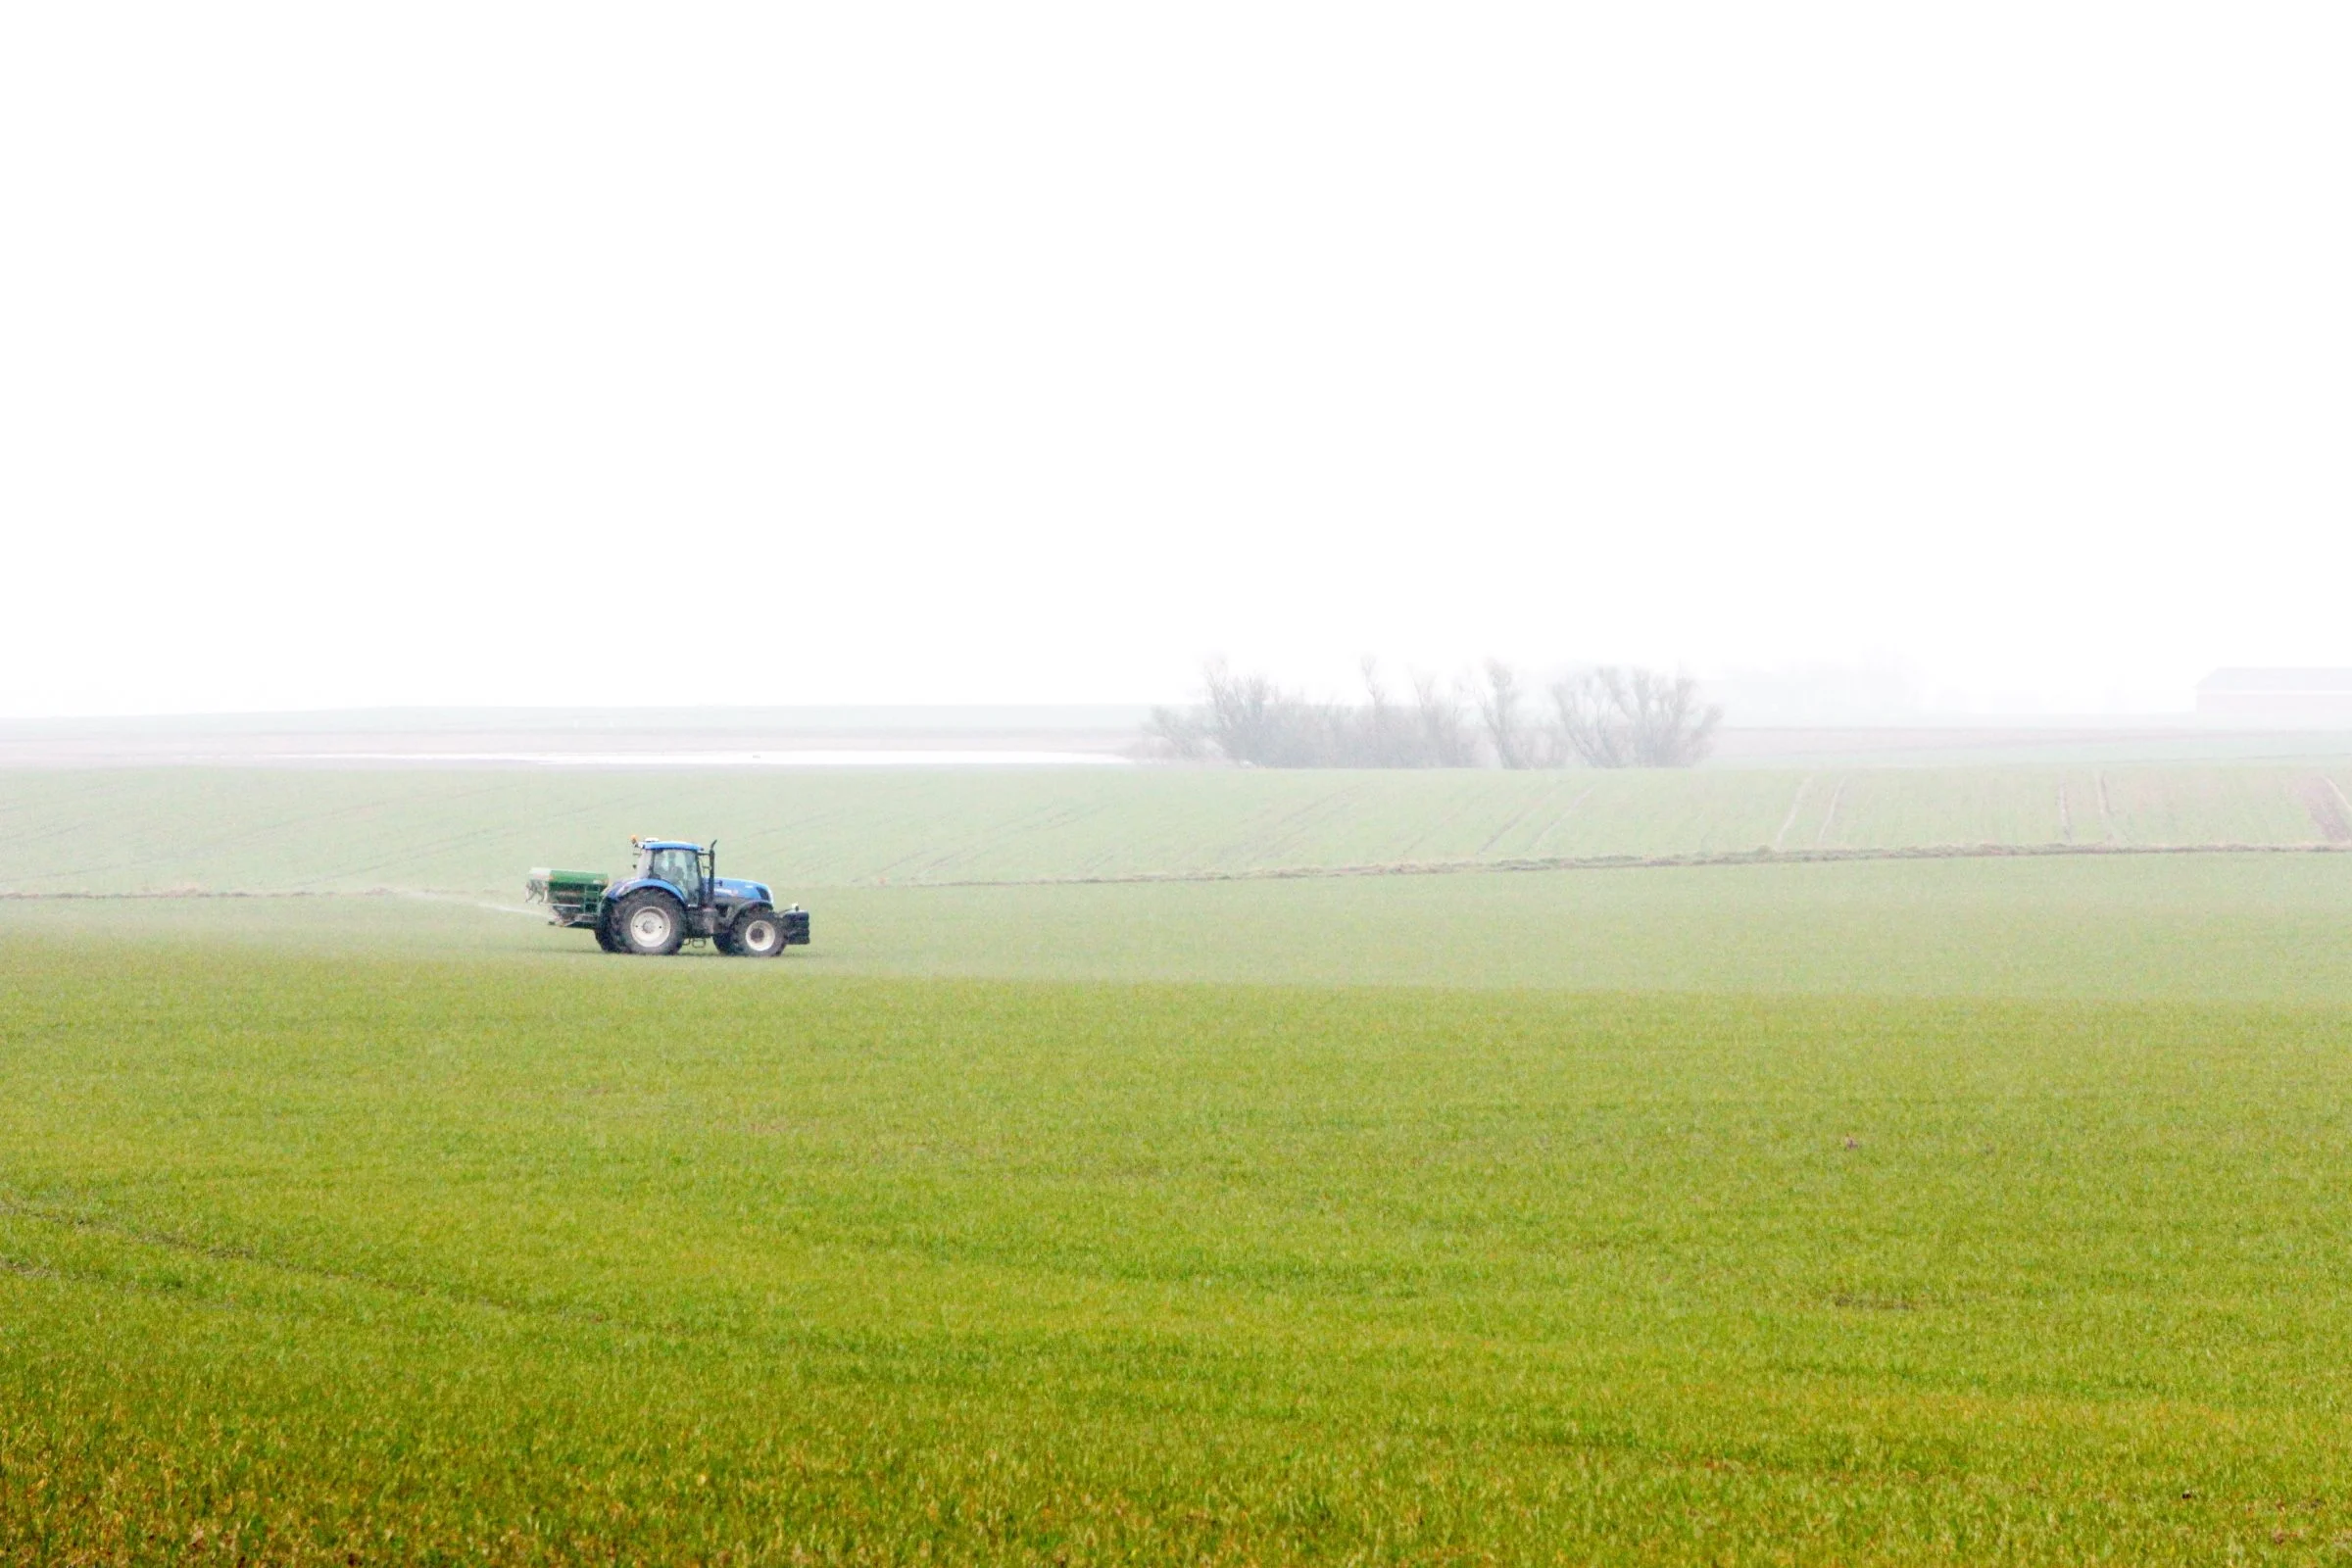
[[1518, 742], [1608, 717], [1251, 720], [1445, 740], [1613, 718], [1182, 731], [1387, 743]]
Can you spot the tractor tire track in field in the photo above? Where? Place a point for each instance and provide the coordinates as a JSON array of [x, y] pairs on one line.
[[2107, 812], [1513, 820], [922, 864], [1291, 825], [1561, 816], [198, 848], [1829, 819], [1797, 804], [1445, 820], [425, 848], [2325, 804], [252, 1258]]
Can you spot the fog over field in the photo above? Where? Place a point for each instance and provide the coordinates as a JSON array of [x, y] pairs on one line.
[[450, 355], [1234, 785]]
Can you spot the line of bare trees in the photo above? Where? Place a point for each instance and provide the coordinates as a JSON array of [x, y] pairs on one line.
[[1605, 717]]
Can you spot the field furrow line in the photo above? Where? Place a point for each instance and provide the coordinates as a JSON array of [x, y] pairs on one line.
[[1829, 819], [2325, 805], [1562, 816], [253, 1258], [1508, 823], [1613, 862], [1797, 804]]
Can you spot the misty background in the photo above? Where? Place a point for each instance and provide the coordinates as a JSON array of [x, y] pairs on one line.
[[1984, 359]]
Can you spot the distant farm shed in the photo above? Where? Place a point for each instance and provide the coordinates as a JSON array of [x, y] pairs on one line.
[[2277, 696]]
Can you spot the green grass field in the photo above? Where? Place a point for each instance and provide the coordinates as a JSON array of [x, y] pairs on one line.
[[1964, 1211]]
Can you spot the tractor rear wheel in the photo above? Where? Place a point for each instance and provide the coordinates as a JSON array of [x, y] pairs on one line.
[[603, 937], [757, 935], [650, 924]]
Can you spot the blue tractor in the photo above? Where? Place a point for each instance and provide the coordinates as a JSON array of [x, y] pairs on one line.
[[675, 896]]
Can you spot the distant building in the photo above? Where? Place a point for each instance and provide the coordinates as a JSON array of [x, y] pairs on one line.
[[2277, 696]]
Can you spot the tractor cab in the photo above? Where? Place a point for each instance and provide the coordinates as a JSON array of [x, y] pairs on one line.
[[687, 867]]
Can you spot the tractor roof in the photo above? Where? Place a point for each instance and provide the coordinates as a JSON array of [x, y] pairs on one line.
[[667, 844]]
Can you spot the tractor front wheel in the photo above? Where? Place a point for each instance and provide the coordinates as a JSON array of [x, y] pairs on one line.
[[759, 935], [650, 924]]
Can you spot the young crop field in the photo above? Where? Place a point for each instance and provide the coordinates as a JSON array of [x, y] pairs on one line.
[[156, 830], [2253, 928], [1931, 1211], [514, 1258]]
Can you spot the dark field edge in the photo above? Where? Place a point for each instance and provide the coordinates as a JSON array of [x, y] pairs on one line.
[[1632, 863], [1290, 873]]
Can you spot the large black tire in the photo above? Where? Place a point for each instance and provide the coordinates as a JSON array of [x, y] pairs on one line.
[[757, 933], [650, 924], [603, 937]]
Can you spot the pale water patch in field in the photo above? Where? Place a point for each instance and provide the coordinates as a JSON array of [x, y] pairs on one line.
[[872, 757]]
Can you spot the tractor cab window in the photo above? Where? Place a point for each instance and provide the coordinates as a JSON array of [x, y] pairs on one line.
[[683, 869]]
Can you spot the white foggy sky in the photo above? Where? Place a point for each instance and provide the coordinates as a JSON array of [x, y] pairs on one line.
[[535, 353]]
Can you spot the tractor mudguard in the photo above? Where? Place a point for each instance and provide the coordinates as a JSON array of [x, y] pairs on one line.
[[638, 884]]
